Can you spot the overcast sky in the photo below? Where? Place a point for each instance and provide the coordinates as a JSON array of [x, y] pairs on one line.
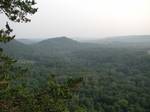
[[86, 19]]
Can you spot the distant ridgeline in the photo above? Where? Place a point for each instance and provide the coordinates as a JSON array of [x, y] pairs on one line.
[[62, 52], [63, 46], [116, 70]]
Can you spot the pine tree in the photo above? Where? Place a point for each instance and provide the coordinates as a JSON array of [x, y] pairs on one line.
[[16, 11]]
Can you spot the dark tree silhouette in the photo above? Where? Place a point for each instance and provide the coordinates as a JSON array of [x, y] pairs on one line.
[[16, 11]]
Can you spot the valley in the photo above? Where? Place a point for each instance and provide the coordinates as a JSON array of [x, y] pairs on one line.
[[115, 74]]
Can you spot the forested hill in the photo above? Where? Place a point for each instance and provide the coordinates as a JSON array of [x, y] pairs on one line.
[[116, 72], [64, 44], [71, 53], [124, 41], [57, 45], [49, 47], [16, 48], [63, 47]]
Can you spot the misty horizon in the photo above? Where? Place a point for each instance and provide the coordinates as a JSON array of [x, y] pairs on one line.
[[86, 19], [85, 39]]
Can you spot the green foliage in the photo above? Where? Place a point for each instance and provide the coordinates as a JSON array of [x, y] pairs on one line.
[[21, 98], [115, 77], [17, 10]]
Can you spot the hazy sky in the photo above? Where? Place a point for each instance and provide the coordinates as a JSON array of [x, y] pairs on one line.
[[86, 19]]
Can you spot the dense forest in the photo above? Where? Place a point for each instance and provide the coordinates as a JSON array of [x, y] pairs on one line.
[[110, 75], [65, 75]]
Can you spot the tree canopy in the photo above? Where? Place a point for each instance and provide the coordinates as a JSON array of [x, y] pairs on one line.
[[16, 11], [15, 95]]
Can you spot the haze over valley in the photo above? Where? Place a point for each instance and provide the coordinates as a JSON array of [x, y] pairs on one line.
[[75, 56]]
